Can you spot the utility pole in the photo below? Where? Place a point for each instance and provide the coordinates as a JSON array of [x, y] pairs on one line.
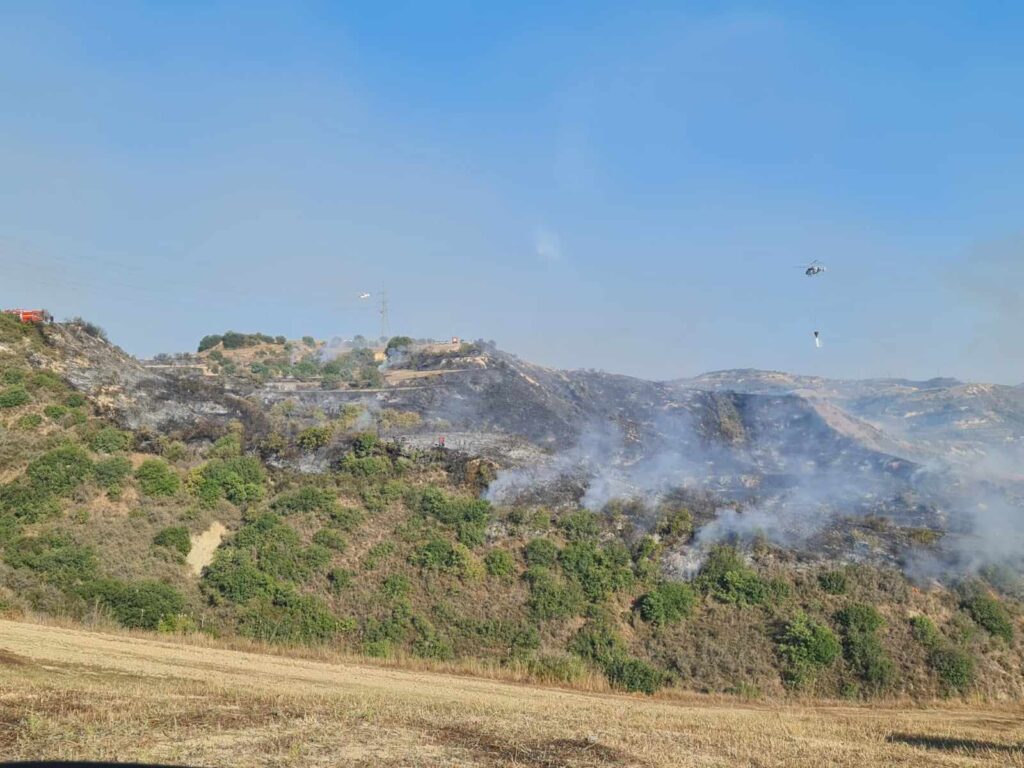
[[384, 326]]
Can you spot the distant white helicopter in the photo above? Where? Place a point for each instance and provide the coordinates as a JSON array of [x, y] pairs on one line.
[[812, 269], [364, 295]]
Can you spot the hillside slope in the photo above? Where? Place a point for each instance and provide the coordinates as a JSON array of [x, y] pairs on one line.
[[340, 523]]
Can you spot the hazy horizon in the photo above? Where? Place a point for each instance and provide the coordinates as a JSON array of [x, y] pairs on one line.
[[590, 186]]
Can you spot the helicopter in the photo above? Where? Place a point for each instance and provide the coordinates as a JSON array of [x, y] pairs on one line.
[[812, 269], [364, 295]]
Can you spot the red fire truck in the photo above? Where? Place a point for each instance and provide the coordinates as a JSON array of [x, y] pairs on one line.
[[30, 315]]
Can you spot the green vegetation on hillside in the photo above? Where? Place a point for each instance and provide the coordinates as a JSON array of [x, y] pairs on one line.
[[391, 551]]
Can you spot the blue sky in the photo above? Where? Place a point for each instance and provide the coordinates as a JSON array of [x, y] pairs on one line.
[[589, 184]]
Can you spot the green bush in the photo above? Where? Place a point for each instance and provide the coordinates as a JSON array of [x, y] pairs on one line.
[[27, 503], [61, 470], [990, 614], [174, 537], [862, 649], [112, 472], [365, 466], [75, 400], [308, 498], [364, 444], [14, 396], [859, 617], [833, 582], [339, 579], [805, 646], [139, 605], [581, 525], [396, 586], [314, 437], [954, 667], [599, 570], [437, 555], [240, 480], [469, 517], [552, 598], [55, 557], [596, 641], [726, 577], [499, 563], [635, 675], [265, 552], [54, 412], [330, 538], [227, 446], [156, 478], [110, 440], [288, 617], [377, 554], [46, 380], [924, 631], [542, 552], [676, 526], [669, 603], [30, 421], [12, 376]]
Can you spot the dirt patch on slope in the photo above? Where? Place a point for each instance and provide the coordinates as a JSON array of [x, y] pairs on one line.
[[204, 545]]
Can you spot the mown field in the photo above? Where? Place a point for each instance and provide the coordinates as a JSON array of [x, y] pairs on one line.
[[73, 694]]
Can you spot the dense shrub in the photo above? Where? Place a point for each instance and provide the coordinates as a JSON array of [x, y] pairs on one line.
[[27, 503], [227, 446], [990, 614], [635, 675], [110, 440], [395, 586], [330, 538], [263, 553], [174, 537], [924, 631], [308, 498], [862, 649], [833, 582], [596, 641], [364, 444], [859, 617], [14, 396], [339, 579], [727, 578], [156, 478], [542, 552], [499, 563], [141, 605], [54, 412], [469, 517], [112, 472], [288, 617], [954, 666], [675, 526], [669, 603], [314, 437], [30, 421], [365, 466], [552, 598], [61, 470], [440, 555], [55, 556], [581, 525], [599, 570], [75, 400], [240, 480], [805, 646]]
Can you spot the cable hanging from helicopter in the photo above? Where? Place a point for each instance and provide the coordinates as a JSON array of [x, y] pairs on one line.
[[814, 269]]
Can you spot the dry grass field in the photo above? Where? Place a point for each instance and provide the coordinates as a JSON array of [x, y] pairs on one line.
[[74, 694]]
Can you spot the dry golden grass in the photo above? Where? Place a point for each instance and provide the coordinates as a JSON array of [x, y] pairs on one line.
[[72, 694]]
